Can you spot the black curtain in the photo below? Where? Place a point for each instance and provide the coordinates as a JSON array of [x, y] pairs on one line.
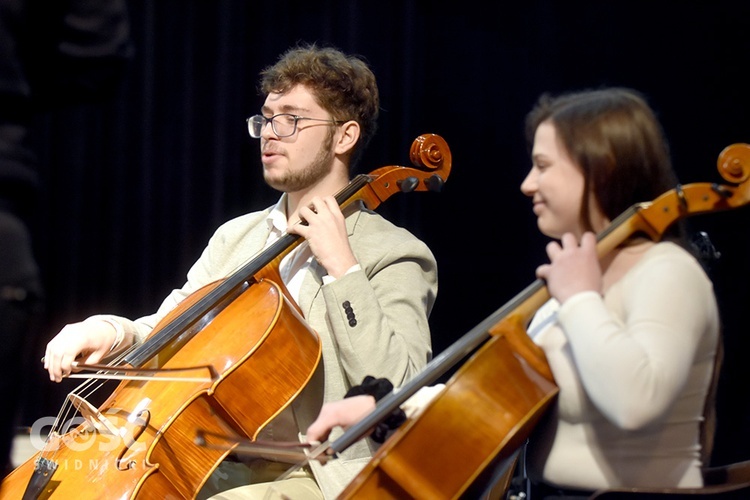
[[134, 187]]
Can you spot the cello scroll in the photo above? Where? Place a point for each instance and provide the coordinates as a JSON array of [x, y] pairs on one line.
[[701, 197], [430, 153], [734, 163]]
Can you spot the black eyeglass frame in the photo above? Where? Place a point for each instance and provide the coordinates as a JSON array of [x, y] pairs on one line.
[[263, 121]]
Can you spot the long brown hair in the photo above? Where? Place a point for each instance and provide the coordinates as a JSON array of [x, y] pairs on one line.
[[614, 137]]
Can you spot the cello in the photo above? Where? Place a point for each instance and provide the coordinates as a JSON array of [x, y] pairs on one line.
[[490, 406], [140, 442]]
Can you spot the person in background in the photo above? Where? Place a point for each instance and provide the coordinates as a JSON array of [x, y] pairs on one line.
[[52, 54], [365, 286], [631, 338]]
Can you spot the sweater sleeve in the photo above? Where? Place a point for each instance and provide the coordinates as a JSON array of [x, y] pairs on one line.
[[633, 367]]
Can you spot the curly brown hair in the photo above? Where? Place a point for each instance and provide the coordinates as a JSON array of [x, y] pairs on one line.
[[342, 84]]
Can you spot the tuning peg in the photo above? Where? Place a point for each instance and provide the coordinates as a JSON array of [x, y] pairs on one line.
[[434, 183], [408, 184]]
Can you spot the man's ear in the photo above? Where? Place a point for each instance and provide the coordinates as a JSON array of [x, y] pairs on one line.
[[348, 137]]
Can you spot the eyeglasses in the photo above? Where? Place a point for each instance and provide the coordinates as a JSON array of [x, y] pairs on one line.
[[283, 124]]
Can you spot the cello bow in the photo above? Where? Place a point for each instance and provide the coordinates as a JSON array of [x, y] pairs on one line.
[[489, 407]]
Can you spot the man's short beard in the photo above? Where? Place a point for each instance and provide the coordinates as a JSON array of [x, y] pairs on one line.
[[318, 168]]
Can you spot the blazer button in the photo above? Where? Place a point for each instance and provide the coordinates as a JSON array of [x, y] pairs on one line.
[[349, 313]]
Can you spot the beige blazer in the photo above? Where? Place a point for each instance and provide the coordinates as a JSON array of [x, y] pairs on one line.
[[370, 322]]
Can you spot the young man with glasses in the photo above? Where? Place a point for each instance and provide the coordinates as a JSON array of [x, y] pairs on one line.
[[363, 284]]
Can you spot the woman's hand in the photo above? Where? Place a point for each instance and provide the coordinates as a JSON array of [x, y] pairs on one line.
[[343, 413], [573, 268]]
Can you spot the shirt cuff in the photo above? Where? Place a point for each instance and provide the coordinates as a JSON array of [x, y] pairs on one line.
[[330, 279]]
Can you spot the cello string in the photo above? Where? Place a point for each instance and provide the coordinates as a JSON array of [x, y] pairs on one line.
[[57, 429], [67, 412], [65, 418]]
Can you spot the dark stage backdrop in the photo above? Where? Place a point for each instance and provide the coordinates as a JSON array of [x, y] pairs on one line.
[[135, 187]]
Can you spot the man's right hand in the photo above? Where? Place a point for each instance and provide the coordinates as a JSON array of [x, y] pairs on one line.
[[87, 342]]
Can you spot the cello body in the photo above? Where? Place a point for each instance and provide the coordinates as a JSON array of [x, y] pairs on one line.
[[483, 415], [149, 450]]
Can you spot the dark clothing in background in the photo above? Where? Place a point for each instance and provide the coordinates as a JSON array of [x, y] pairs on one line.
[[53, 53]]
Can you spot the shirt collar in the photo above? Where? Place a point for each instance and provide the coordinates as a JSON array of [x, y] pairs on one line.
[[277, 218]]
